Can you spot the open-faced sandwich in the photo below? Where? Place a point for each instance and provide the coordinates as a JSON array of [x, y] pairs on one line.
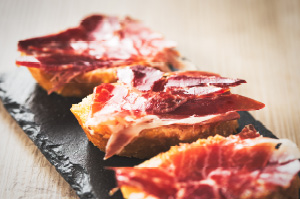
[[74, 61], [243, 166], [147, 111]]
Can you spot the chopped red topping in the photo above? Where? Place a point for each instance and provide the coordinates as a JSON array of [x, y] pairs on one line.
[[220, 168]]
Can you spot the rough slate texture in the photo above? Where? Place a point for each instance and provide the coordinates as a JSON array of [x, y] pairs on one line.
[[48, 122]]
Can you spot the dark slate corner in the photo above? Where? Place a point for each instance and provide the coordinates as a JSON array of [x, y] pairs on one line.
[[48, 122]]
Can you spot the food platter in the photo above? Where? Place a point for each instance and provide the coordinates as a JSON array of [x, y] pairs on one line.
[[48, 122]]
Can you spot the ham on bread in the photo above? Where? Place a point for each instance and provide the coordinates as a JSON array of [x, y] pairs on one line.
[[148, 111], [243, 166], [74, 61]]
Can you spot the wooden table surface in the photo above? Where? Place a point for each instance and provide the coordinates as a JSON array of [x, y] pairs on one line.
[[257, 40]]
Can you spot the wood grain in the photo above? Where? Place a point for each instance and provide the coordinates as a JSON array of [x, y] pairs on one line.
[[258, 40]]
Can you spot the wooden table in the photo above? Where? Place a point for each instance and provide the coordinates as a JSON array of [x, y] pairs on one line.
[[257, 40]]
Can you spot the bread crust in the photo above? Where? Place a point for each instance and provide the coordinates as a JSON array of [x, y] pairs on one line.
[[150, 142], [83, 84], [80, 86]]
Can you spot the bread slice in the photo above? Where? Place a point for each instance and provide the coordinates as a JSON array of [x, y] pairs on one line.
[[150, 142], [147, 111], [73, 61], [179, 156], [83, 84]]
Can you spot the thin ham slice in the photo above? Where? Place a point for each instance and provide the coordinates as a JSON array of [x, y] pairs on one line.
[[99, 41], [148, 79], [240, 166], [142, 100], [187, 81]]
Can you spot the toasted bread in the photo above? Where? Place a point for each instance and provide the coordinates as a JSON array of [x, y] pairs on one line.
[[150, 142], [183, 161]]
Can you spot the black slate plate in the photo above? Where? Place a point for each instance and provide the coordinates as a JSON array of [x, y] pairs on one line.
[[48, 122]]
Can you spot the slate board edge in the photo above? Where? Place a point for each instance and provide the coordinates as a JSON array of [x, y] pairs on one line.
[[61, 163]]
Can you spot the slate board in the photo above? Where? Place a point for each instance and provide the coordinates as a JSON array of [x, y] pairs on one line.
[[48, 122]]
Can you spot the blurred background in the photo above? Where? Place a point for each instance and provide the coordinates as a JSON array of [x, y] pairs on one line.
[[256, 40]]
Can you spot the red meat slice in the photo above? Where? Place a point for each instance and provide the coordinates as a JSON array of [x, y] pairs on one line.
[[97, 39], [217, 105], [198, 99], [241, 166], [142, 97], [166, 105], [187, 81], [151, 79], [98, 42]]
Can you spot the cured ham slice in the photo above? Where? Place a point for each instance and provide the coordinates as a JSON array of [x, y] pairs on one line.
[[187, 81], [144, 99], [100, 36], [99, 42], [237, 167]]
